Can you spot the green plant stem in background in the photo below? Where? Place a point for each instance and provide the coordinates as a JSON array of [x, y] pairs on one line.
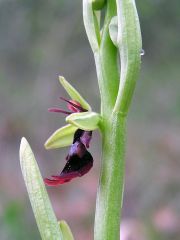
[[116, 94]]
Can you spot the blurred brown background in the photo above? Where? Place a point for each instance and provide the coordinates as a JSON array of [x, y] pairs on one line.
[[42, 39]]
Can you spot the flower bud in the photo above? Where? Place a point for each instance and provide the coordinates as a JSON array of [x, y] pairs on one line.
[[98, 4]]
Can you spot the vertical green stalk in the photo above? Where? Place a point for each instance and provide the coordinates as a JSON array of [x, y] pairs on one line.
[[106, 60], [105, 54], [110, 191], [109, 195], [116, 84]]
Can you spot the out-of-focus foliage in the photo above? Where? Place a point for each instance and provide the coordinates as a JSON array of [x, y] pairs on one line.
[[41, 40]]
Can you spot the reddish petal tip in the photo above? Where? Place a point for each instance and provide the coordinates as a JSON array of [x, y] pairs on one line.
[[56, 181], [59, 110], [74, 105]]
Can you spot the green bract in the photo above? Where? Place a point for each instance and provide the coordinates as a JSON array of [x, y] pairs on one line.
[[44, 215], [98, 4], [62, 137], [73, 93], [66, 231], [113, 30], [85, 120], [90, 28]]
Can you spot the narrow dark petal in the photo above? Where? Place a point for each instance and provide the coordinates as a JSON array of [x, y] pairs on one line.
[[59, 110], [72, 108], [77, 106]]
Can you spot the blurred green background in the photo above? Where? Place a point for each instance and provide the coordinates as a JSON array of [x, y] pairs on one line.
[[40, 40]]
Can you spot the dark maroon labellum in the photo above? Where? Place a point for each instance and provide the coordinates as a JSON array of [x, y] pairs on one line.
[[79, 160]]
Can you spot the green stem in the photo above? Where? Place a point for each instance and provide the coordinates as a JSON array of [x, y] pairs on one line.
[[115, 101], [110, 191], [105, 54], [106, 60]]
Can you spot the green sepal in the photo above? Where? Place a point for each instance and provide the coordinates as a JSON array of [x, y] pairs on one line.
[[113, 30], [74, 94], [43, 212], [66, 231], [62, 137], [85, 120]]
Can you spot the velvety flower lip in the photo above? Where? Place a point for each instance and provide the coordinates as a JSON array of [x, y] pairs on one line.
[[83, 136], [86, 138], [79, 160]]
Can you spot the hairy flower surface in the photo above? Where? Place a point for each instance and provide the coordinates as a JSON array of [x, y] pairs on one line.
[[79, 160]]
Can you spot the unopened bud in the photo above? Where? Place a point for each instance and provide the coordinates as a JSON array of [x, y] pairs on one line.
[[98, 4]]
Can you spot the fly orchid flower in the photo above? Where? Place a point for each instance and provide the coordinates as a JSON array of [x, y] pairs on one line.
[[79, 162], [77, 134]]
